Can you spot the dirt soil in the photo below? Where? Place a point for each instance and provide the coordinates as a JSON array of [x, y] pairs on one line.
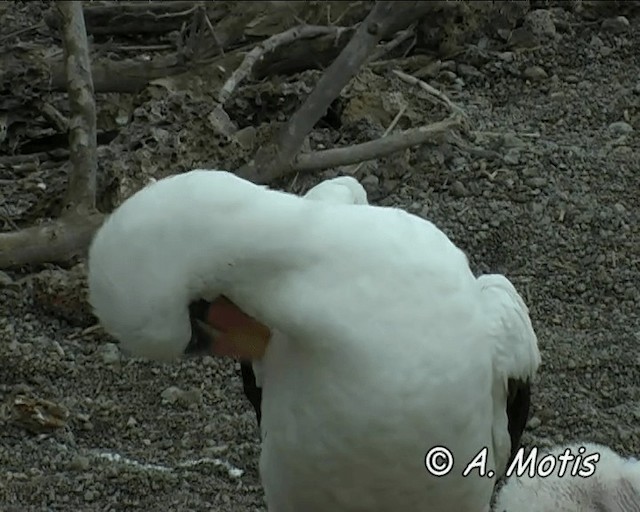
[[552, 202]]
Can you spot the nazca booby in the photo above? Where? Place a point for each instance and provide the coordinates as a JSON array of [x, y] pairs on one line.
[[607, 483], [345, 190], [382, 342]]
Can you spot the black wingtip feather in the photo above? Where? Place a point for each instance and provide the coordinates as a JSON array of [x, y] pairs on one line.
[[518, 405]]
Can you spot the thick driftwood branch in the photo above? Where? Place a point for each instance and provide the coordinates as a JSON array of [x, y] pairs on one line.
[[137, 17], [319, 160], [316, 53], [83, 142], [124, 76], [56, 241], [275, 159], [268, 45], [400, 38], [133, 75]]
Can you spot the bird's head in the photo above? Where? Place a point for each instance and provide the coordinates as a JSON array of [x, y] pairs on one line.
[[152, 283]]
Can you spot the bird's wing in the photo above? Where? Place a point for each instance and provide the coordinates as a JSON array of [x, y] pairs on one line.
[[515, 361]]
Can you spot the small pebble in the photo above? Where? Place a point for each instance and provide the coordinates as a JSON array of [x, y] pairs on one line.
[[171, 395], [458, 189], [620, 128], [535, 73], [371, 179], [110, 353], [534, 423], [79, 463]]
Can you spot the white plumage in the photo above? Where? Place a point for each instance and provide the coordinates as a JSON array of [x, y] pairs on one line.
[[344, 189], [384, 343], [613, 487]]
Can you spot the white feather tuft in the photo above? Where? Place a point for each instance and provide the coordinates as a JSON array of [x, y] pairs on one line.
[[614, 486], [342, 190]]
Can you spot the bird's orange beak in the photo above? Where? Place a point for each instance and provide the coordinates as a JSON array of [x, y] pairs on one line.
[[240, 336]]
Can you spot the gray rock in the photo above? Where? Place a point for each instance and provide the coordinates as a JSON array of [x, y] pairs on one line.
[[110, 353], [540, 23], [371, 180], [447, 76], [534, 423], [5, 279], [616, 25], [458, 189], [620, 128], [512, 157], [507, 56], [171, 395], [535, 73], [466, 70], [511, 141], [174, 394], [79, 463]]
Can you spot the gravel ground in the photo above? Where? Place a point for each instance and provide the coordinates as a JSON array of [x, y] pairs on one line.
[[559, 215]]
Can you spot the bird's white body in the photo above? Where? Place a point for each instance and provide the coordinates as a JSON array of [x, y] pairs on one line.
[[613, 487], [385, 344]]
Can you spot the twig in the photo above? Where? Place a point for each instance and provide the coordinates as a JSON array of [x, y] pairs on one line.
[[268, 45], [212, 30], [146, 48], [83, 142], [532, 135], [89, 330], [21, 31], [391, 126], [53, 115], [432, 91], [14, 160], [309, 162], [474, 150], [400, 38]]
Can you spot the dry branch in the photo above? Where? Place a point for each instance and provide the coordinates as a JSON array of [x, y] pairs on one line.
[[13, 161], [391, 126], [59, 240], [269, 45], [319, 160], [133, 75], [54, 116], [400, 38], [275, 159], [123, 76], [83, 141], [136, 17]]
